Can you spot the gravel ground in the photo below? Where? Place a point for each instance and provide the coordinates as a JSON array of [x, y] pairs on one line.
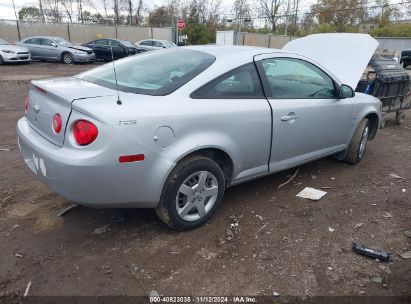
[[282, 243]]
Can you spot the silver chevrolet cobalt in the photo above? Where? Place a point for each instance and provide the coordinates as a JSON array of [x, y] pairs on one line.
[[171, 130]]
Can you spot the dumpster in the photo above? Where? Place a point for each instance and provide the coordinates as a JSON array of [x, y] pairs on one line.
[[387, 80]]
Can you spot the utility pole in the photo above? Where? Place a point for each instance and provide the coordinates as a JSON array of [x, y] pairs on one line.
[[17, 20], [130, 9], [42, 12]]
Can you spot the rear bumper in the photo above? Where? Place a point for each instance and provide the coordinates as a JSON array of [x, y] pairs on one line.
[[89, 179]]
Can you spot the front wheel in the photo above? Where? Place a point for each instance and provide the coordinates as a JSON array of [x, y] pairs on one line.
[[192, 193], [358, 142], [1, 60], [67, 58]]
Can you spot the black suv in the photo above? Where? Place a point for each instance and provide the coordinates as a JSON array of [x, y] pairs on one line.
[[405, 59]]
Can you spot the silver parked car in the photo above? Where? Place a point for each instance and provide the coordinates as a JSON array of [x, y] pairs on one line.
[[154, 44], [57, 49], [12, 53], [172, 130]]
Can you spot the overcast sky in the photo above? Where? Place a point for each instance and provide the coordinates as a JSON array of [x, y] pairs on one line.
[[7, 12]]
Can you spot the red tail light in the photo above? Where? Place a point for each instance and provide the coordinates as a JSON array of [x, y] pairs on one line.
[[85, 132], [26, 105], [57, 123]]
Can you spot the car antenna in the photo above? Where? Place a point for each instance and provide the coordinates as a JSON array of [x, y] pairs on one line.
[[115, 77]]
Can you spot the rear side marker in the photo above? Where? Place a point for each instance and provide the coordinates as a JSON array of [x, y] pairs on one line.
[[131, 158]]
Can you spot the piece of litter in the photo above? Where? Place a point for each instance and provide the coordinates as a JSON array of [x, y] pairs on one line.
[[18, 255], [329, 268], [371, 253], [313, 176], [311, 193], [395, 176], [275, 294], [325, 187], [5, 149], [405, 255], [260, 217], [331, 229], [66, 210], [101, 229], [404, 190], [27, 289], [332, 178], [358, 225], [153, 293], [387, 215], [376, 280]]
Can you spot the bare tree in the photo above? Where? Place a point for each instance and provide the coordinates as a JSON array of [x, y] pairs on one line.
[[68, 8], [272, 11], [242, 13]]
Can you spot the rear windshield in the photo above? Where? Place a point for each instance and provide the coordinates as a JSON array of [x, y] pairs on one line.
[[156, 73]]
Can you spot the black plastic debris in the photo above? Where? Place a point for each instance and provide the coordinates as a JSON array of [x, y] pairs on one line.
[[371, 253]]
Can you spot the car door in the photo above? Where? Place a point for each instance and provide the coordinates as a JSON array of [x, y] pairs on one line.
[[237, 107], [50, 50], [118, 50], [309, 121], [34, 46]]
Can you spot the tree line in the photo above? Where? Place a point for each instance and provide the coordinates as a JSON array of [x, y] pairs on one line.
[[204, 17]]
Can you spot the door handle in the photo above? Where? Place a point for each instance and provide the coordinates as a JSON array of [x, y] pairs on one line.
[[290, 116]]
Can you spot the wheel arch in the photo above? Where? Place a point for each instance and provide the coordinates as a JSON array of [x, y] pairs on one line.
[[217, 154], [374, 120]]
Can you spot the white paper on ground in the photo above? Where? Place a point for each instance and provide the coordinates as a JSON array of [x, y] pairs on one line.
[[311, 193]]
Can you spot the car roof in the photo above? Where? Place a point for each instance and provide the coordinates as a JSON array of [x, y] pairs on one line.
[[234, 50], [46, 37]]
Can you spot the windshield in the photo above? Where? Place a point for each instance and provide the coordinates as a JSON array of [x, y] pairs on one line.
[[156, 73], [61, 41], [127, 44], [167, 43], [3, 42]]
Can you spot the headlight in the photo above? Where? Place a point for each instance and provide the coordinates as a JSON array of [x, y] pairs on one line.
[[8, 51], [80, 52]]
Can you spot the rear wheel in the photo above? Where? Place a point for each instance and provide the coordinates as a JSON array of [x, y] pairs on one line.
[[358, 142], [67, 58], [1, 60], [192, 193]]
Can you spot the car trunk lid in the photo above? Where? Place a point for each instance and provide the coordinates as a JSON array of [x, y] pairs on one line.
[[346, 55], [48, 97]]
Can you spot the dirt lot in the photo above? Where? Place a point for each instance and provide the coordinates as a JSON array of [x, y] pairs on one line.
[[283, 244]]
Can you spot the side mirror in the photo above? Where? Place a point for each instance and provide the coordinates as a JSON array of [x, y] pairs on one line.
[[53, 44], [346, 92], [163, 46]]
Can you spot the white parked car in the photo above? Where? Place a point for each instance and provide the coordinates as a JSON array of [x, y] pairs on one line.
[[155, 44], [12, 53]]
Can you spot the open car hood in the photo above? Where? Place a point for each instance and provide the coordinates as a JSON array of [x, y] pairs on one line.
[[345, 55]]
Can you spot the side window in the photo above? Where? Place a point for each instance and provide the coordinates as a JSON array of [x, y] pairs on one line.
[[114, 43], [47, 42], [33, 41], [295, 78], [242, 82], [101, 42], [146, 42], [157, 44]]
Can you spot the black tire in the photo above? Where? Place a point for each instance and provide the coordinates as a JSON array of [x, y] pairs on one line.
[[400, 118], [355, 150], [167, 208], [1, 60], [67, 58]]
